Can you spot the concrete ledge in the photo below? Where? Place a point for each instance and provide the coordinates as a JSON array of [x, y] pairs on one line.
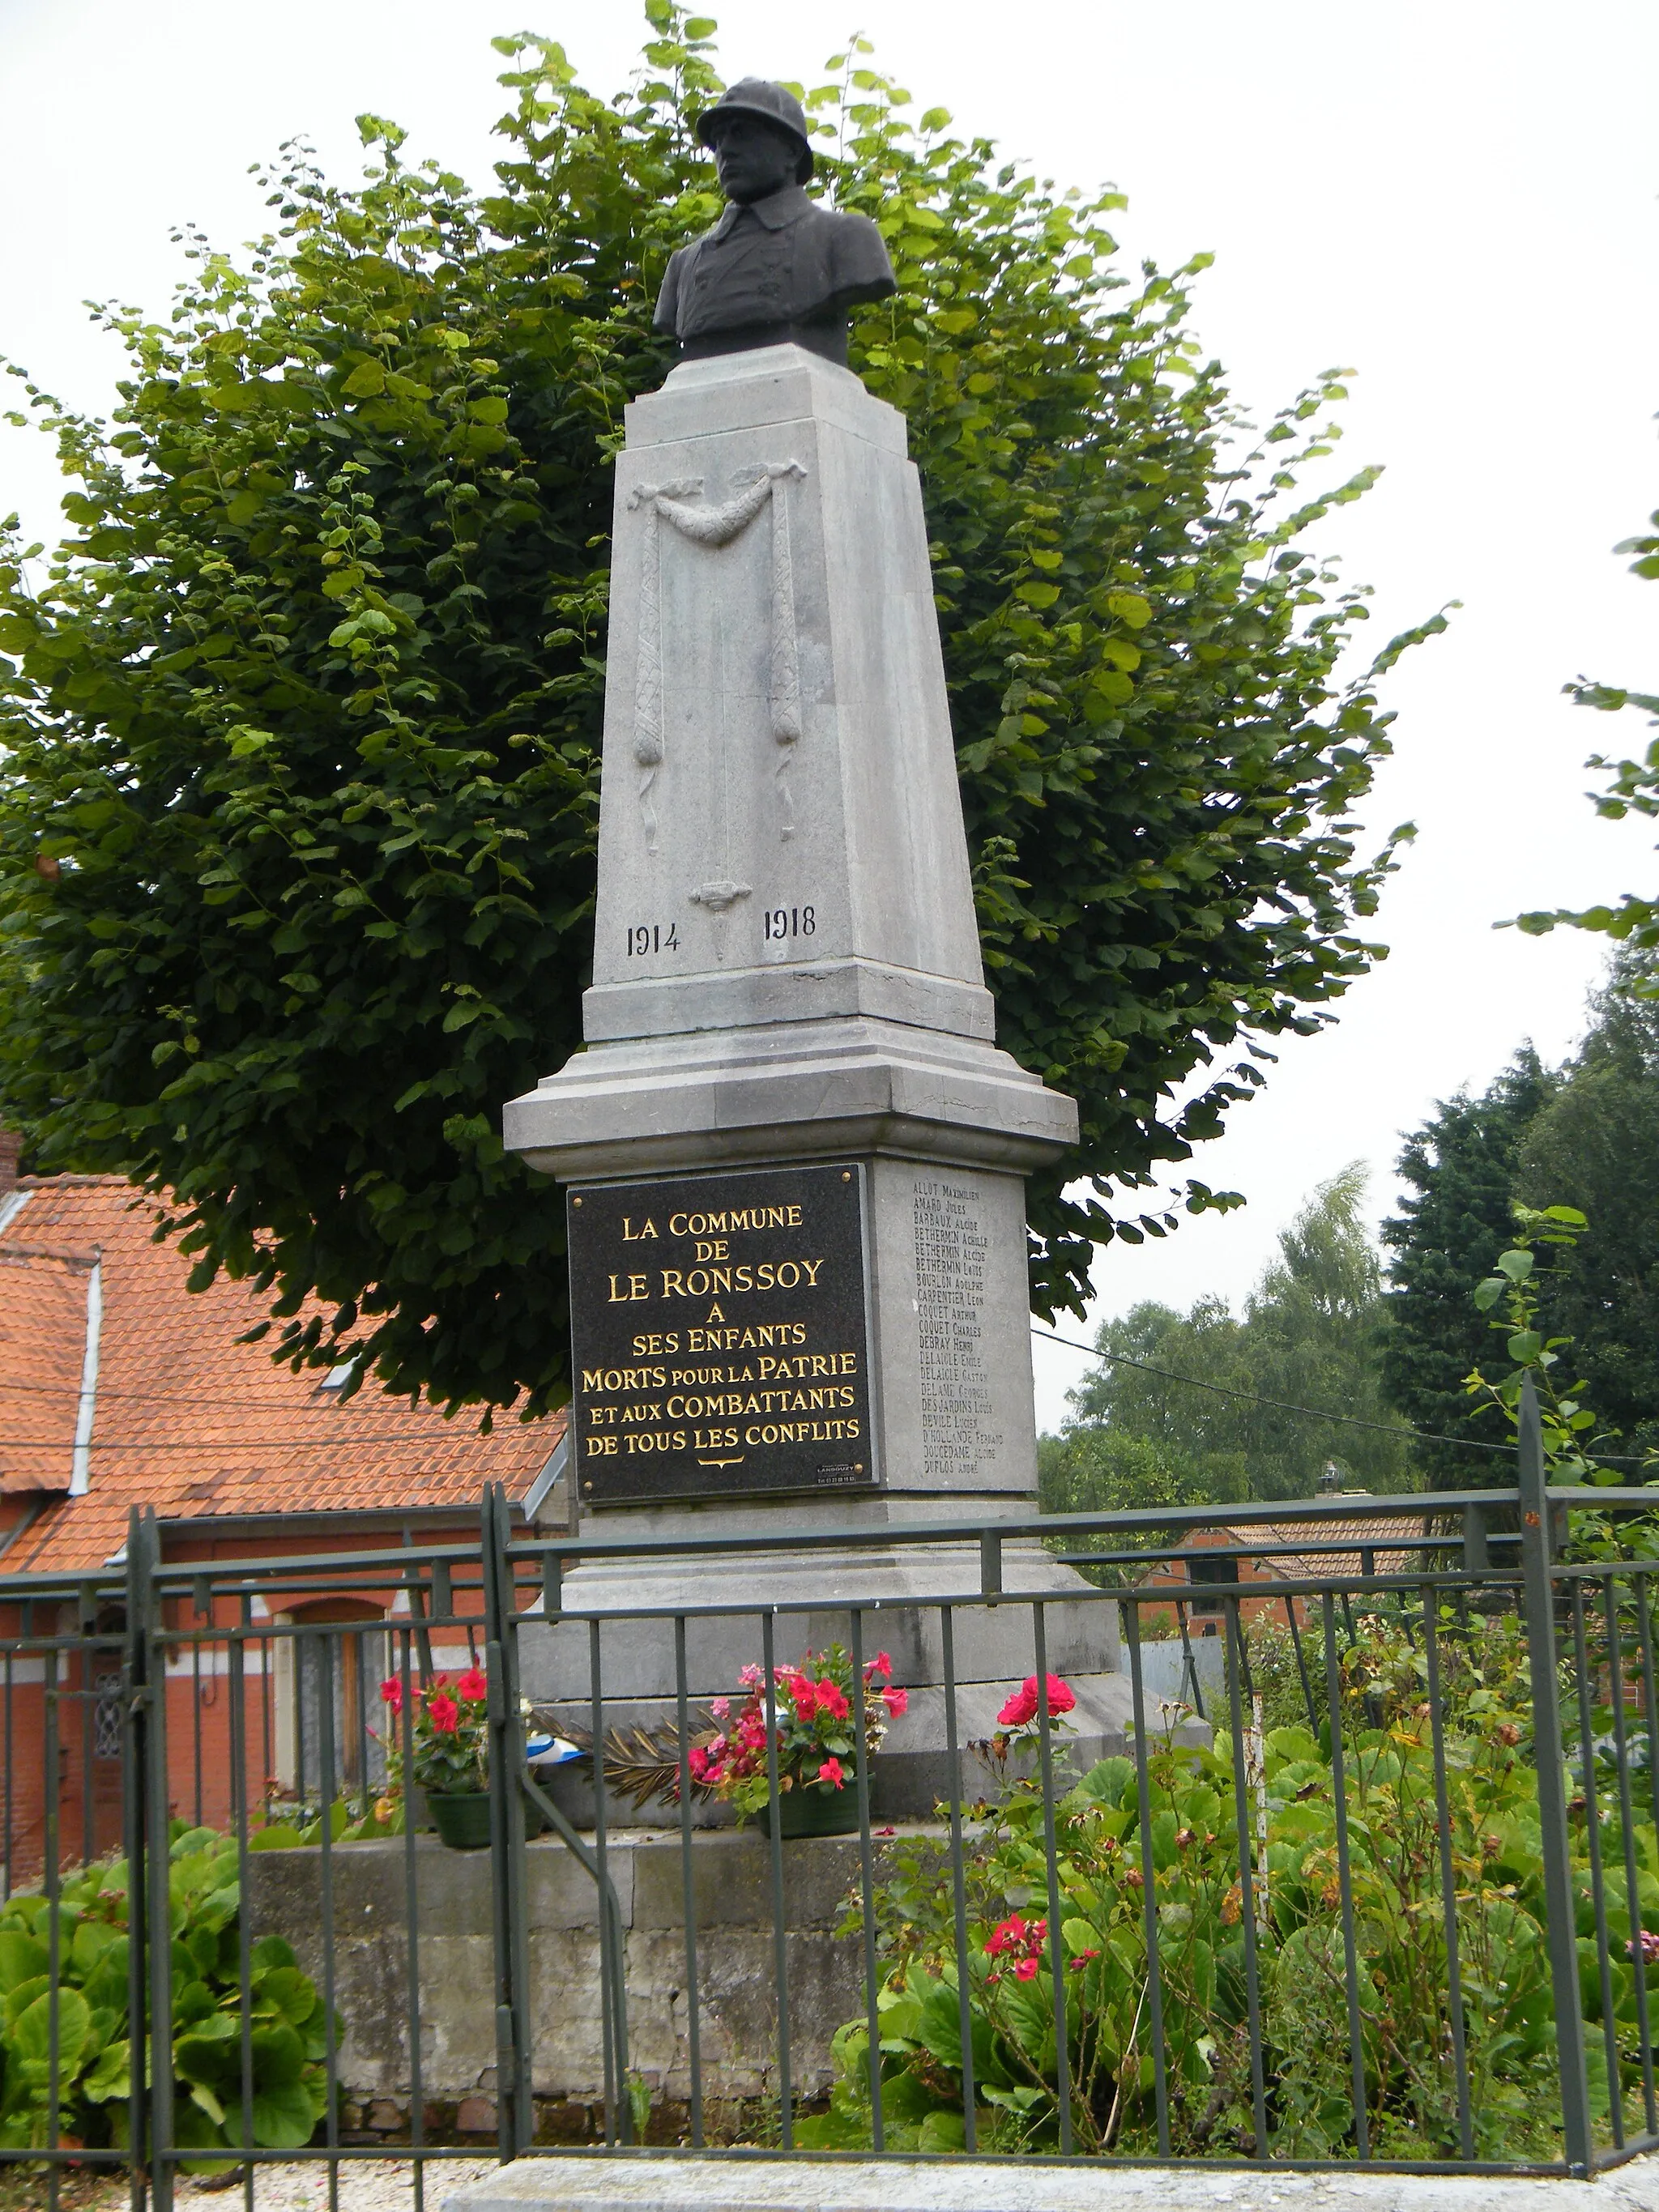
[[634, 2182]]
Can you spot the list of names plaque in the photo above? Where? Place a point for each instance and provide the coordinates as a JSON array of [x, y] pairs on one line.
[[720, 1335]]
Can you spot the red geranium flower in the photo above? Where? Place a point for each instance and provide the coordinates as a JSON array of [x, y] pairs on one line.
[[473, 1685], [832, 1772], [831, 1700], [391, 1693], [806, 1696], [1021, 1706], [444, 1713]]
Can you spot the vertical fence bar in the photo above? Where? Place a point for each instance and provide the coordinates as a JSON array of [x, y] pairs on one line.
[[403, 1724], [88, 1671], [1627, 1831], [1345, 1881], [1598, 1883], [11, 1798], [1538, 1587], [514, 2124], [135, 1726], [1188, 1663], [1246, 1872], [866, 1886], [1149, 1879], [51, 1841], [1056, 1946], [237, 1679], [159, 1937], [1448, 1874], [780, 1930], [958, 1890], [614, 2086], [687, 1888], [325, 1794]]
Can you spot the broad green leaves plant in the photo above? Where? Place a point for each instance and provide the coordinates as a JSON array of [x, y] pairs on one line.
[[286, 2023], [300, 726], [1098, 1953]]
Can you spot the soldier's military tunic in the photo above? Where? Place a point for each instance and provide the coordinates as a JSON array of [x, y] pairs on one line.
[[781, 269]]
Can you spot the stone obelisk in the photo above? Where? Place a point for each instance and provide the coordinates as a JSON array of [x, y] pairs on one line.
[[787, 984]]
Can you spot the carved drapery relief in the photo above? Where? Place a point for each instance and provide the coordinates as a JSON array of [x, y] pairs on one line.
[[713, 525]]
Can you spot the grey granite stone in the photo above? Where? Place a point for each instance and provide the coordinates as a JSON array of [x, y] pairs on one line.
[[650, 2182]]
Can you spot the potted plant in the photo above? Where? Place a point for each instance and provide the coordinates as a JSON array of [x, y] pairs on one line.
[[812, 1719], [451, 1746]]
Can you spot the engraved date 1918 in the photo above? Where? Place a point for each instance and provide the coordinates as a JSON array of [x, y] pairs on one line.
[[780, 921], [651, 937]]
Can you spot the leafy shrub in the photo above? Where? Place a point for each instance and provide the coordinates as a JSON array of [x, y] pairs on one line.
[[1099, 1958], [287, 2021]]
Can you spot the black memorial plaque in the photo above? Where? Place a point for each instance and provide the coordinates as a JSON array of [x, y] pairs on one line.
[[720, 1335]]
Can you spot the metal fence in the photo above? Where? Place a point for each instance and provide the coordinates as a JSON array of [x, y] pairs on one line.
[[1373, 1890]]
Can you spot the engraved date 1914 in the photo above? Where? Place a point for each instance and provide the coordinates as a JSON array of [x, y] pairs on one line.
[[651, 937], [782, 921]]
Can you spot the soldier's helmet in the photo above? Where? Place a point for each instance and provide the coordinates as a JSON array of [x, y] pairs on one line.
[[754, 95]]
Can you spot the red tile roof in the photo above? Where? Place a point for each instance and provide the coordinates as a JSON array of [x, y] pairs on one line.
[[186, 1419], [1378, 1533]]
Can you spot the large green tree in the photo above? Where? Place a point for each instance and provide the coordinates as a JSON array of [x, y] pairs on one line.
[[1460, 1170], [1594, 1146], [1632, 788], [1308, 1339], [300, 726]]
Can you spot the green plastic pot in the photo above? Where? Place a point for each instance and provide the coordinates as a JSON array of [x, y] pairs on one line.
[[816, 1811], [463, 1821]]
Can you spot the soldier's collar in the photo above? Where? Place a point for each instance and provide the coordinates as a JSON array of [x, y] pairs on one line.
[[776, 212]]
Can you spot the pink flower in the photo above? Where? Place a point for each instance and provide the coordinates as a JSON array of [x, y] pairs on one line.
[[444, 1713], [720, 1707], [1027, 1970], [1649, 1947], [705, 1765], [391, 1693], [1021, 1706], [1082, 1960], [750, 1676], [1016, 1934], [832, 1772], [831, 1700], [752, 1731], [896, 1701], [881, 1664], [474, 1684]]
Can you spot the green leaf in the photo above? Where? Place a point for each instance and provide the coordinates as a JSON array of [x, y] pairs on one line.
[[366, 381]]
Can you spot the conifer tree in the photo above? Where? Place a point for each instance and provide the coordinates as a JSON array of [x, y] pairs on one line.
[[1462, 1166]]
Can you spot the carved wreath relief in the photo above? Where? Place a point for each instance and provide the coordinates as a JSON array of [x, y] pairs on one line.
[[716, 526]]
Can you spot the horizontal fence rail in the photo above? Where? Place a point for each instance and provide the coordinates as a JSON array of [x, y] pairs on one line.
[[1267, 1836]]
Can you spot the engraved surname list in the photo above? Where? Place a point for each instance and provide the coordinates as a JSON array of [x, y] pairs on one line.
[[950, 1252]]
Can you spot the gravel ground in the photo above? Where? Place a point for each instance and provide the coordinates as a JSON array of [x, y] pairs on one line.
[[379, 2184]]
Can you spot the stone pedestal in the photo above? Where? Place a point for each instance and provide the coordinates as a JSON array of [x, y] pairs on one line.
[[786, 970]]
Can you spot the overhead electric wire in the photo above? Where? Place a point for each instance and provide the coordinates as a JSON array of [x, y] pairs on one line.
[[1312, 1412]]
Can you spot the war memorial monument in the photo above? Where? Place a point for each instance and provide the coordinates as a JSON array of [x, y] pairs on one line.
[[795, 1156]]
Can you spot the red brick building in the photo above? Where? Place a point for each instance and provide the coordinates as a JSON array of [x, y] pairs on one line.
[[120, 1386], [1380, 1543]]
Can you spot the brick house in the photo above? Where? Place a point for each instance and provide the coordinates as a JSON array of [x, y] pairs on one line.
[[1381, 1543], [120, 1386]]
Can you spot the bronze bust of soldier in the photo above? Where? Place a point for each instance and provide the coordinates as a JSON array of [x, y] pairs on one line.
[[777, 269]]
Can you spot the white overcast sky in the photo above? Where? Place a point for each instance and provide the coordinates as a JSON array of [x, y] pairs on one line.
[[1456, 199]]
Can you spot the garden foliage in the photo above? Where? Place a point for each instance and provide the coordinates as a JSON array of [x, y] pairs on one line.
[[287, 2038], [1094, 1962], [300, 727]]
